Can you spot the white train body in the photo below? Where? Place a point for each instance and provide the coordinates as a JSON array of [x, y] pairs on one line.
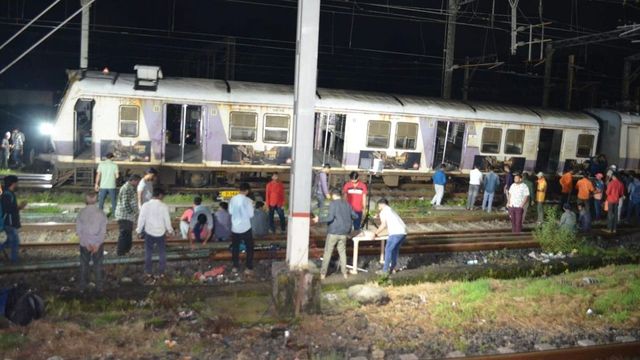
[[202, 125]]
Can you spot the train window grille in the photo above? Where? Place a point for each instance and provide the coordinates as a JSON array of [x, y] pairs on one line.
[[514, 142], [243, 126], [276, 128], [129, 119], [585, 144], [406, 135], [491, 140], [378, 134]]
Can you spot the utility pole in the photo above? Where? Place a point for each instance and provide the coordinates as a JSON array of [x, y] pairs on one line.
[[304, 100], [514, 25], [84, 34], [548, 62], [570, 76], [230, 59], [450, 49], [465, 86]]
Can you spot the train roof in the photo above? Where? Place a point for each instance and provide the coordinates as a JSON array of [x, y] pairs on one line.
[[614, 116], [210, 90]]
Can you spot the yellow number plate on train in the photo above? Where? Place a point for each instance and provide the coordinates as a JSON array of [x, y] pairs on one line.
[[228, 194]]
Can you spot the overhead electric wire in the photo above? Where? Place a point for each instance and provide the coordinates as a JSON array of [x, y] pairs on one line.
[[29, 24]]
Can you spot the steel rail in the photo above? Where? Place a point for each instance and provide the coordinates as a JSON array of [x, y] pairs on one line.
[[629, 350]]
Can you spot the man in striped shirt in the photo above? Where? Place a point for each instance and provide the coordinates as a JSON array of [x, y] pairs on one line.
[[127, 213]]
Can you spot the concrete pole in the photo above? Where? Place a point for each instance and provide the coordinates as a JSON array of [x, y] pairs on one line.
[[570, 76], [450, 49], [548, 62], [303, 123], [84, 35], [514, 26]]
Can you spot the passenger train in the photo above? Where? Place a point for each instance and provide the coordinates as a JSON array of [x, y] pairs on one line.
[[199, 130]]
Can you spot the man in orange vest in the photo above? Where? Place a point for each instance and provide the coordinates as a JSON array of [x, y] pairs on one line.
[[541, 193], [585, 189], [566, 184]]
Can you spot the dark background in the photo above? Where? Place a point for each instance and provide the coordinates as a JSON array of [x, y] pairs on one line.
[[389, 46]]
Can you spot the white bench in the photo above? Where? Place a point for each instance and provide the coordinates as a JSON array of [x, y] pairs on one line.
[[356, 245]]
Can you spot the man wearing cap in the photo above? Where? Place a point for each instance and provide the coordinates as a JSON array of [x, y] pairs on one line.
[[598, 192], [518, 197], [106, 177], [541, 193]]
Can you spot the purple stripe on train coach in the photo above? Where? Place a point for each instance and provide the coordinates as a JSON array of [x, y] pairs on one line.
[[468, 156], [216, 135], [351, 159], [153, 122], [63, 148], [428, 139]]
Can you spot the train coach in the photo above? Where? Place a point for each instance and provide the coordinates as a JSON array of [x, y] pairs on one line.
[[199, 130]]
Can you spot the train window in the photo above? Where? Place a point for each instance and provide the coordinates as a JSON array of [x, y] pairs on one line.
[[406, 135], [585, 144], [514, 142], [378, 134], [491, 138], [243, 126], [276, 128], [129, 117]]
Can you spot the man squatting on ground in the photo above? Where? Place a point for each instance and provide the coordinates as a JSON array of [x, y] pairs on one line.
[[91, 227], [154, 223], [339, 221], [397, 230], [126, 213]]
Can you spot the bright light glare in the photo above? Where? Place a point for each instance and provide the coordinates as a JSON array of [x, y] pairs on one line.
[[46, 128]]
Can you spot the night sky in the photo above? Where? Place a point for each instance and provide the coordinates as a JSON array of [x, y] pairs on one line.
[[379, 45]]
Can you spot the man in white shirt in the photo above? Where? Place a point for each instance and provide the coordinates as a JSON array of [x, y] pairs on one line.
[[475, 179], [397, 230], [518, 197], [154, 222], [241, 211], [145, 186]]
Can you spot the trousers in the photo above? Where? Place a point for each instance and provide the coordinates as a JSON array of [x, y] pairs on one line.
[[280, 212], [13, 241], [102, 195], [247, 237], [85, 258], [392, 251], [515, 213], [125, 237], [612, 217], [332, 241], [150, 242], [487, 201], [437, 198], [472, 195], [540, 210]]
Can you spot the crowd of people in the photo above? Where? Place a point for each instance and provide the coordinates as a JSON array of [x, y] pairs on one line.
[[12, 147], [138, 206]]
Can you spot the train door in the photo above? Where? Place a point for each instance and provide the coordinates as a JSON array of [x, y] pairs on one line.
[[549, 146], [183, 134], [328, 139], [449, 143], [83, 129]]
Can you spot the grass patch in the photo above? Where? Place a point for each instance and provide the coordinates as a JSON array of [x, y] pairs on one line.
[[48, 209], [107, 318], [617, 304], [186, 198], [11, 340], [51, 197]]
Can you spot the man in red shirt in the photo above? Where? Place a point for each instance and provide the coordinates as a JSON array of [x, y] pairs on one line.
[[615, 190], [355, 192], [275, 202]]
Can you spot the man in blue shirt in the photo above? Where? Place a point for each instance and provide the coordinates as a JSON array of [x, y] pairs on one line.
[[241, 211], [491, 182], [439, 181]]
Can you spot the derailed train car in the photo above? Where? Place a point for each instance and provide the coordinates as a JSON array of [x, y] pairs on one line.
[[199, 129]]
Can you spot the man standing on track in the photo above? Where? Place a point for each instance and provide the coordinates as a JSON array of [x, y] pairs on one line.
[[154, 223], [491, 183], [355, 192], [475, 179], [615, 191], [241, 210], [275, 203], [6, 151], [585, 189], [91, 227], [518, 197], [126, 213], [18, 147], [439, 181], [321, 186], [11, 213], [541, 193], [566, 184], [106, 178]]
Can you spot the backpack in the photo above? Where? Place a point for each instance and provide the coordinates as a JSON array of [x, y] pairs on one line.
[[21, 305]]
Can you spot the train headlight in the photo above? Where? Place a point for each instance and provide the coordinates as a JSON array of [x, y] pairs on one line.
[[46, 128]]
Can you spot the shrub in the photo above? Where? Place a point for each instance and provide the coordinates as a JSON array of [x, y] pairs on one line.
[[551, 237]]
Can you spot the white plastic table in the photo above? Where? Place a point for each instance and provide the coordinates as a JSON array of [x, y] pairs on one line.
[[356, 244]]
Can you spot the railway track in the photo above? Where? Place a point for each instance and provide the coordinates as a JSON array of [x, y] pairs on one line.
[[274, 248], [629, 350]]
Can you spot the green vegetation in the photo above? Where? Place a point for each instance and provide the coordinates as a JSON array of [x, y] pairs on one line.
[[551, 237], [48, 209], [51, 197], [5, 172], [107, 318], [618, 306], [11, 340], [187, 198]]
